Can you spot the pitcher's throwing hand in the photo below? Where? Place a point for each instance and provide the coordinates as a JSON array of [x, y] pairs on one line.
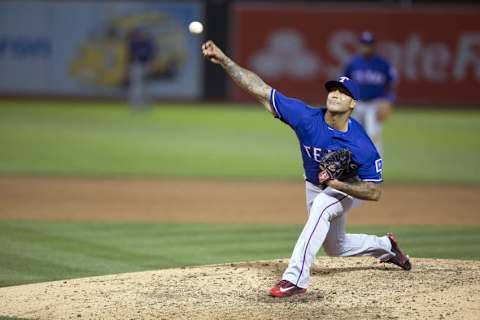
[[212, 52]]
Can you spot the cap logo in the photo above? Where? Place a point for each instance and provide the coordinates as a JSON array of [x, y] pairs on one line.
[[343, 79]]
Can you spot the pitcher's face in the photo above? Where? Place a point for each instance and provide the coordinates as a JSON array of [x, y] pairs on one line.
[[339, 100]]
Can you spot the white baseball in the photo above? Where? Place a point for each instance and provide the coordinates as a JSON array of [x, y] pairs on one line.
[[195, 27]]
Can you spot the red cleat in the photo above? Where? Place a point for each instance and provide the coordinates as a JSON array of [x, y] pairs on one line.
[[285, 289], [400, 258]]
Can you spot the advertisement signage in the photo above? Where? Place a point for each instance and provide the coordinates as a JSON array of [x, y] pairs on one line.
[[296, 48], [81, 48]]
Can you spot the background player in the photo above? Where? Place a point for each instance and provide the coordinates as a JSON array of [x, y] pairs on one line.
[[141, 54], [376, 78], [321, 131]]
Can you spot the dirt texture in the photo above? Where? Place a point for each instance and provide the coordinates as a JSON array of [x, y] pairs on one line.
[[341, 288], [170, 200]]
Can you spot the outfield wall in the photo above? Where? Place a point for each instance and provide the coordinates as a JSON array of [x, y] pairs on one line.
[[76, 48], [297, 47], [80, 48]]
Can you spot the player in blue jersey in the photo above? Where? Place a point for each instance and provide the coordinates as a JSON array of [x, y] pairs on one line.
[[376, 79], [320, 131]]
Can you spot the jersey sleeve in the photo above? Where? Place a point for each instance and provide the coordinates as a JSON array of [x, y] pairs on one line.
[[289, 110], [391, 74], [371, 170], [391, 78]]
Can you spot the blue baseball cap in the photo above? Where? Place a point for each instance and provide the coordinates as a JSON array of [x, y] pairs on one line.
[[345, 82], [367, 38]]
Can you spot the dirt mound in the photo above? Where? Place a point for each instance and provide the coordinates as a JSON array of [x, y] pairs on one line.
[[341, 288]]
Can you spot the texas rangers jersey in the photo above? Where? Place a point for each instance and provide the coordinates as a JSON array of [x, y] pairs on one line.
[[317, 138], [374, 76]]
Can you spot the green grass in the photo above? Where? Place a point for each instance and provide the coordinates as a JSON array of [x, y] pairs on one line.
[[433, 146], [173, 141], [37, 251], [222, 141]]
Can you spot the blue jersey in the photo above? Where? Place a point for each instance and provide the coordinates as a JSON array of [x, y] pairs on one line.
[[374, 76], [317, 138]]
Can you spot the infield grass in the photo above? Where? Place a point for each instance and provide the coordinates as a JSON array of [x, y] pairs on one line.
[[37, 251], [220, 141]]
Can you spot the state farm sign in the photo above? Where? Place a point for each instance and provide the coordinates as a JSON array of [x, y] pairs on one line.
[[295, 49]]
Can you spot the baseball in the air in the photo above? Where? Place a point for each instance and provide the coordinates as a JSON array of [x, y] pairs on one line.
[[195, 27]]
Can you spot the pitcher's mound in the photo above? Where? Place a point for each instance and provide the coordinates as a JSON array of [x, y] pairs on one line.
[[340, 288]]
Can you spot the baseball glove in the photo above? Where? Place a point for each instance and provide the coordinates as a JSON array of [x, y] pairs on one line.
[[336, 165]]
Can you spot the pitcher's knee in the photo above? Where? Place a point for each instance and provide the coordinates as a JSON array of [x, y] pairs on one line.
[[333, 249]]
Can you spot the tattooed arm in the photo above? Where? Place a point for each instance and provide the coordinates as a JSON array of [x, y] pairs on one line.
[[246, 79], [358, 189], [249, 81]]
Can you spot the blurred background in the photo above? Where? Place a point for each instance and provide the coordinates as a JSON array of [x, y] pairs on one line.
[[63, 56], [81, 50], [109, 112]]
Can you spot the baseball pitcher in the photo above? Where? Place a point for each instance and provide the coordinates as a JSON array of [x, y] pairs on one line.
[[342, 167]]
